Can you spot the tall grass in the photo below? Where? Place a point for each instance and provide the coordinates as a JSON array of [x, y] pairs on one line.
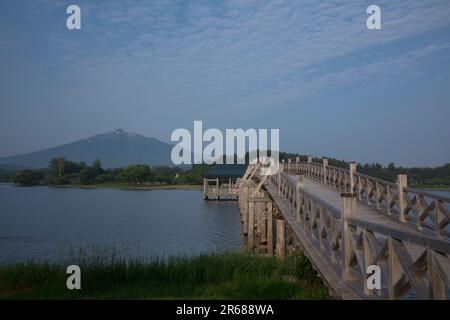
[[209, 276]]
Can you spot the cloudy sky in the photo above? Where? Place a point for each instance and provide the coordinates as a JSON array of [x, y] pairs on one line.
[[310, 68]]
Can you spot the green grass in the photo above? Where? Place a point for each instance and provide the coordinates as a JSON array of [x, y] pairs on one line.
[[210, 276]]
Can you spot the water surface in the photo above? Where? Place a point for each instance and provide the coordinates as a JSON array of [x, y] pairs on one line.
[[53, 224]]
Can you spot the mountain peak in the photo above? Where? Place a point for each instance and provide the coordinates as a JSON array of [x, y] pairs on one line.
[[118, 131], [114, 134], [116, 148]]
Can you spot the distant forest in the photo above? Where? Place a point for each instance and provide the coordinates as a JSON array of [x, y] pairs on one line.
[[62, 172]]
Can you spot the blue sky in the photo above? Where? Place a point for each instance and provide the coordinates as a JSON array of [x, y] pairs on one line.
[[310, 68]]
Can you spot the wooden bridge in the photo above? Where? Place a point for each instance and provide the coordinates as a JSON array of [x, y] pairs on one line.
[[344, 222]]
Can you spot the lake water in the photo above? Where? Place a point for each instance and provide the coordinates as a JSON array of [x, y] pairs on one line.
[[53, 224], [441, 193]]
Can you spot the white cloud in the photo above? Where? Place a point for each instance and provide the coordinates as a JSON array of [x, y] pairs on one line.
[[237, 49]]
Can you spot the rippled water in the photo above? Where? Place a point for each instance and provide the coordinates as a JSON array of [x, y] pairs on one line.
[[441, 193], [55, 223]]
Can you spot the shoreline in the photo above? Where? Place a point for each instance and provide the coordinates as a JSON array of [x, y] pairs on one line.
[[130, 187], [125, 186], [431, 188]]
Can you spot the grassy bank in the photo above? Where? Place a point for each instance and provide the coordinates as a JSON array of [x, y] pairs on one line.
[[211, 276]]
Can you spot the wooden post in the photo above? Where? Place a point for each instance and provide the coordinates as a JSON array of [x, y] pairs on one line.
[[388, 200], [299, 185], [263, 223], [348, 212], [402, 182], [251, 225], [367, 259], [324, 166], [205, 189], [245, 218], [436, 283], [281, 238], [217, 188], [352, 171], [280, 171], [309, 166], [270, 228], [394, 269], [245, 198], [258, 216]]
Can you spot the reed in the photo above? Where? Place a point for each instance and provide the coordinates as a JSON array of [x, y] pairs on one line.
[[232, 275]]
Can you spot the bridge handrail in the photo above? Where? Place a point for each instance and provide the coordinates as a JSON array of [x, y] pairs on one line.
[[351, 244], [392, 184], [430, 243], [428, 194], [419, 209], [422, 240]]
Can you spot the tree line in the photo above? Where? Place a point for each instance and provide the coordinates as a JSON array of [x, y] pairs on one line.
[[61, 171]]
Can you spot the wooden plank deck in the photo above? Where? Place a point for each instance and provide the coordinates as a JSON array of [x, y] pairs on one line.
[[326, 271]]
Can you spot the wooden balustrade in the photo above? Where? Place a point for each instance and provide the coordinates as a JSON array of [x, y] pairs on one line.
[[418, 209], [413, 263]]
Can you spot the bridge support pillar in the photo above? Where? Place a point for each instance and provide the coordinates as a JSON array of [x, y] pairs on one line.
[[281, 238], [270, 228], [245, 224], [205, 189], [251, 225], [348, 212]]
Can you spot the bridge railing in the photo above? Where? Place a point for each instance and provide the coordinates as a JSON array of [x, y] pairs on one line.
[[421, 210], [412, 265]]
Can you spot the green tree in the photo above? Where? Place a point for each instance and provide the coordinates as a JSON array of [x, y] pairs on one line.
[[86, 175], [56, 166], [97, 167], [138, 174], [28, 178]]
